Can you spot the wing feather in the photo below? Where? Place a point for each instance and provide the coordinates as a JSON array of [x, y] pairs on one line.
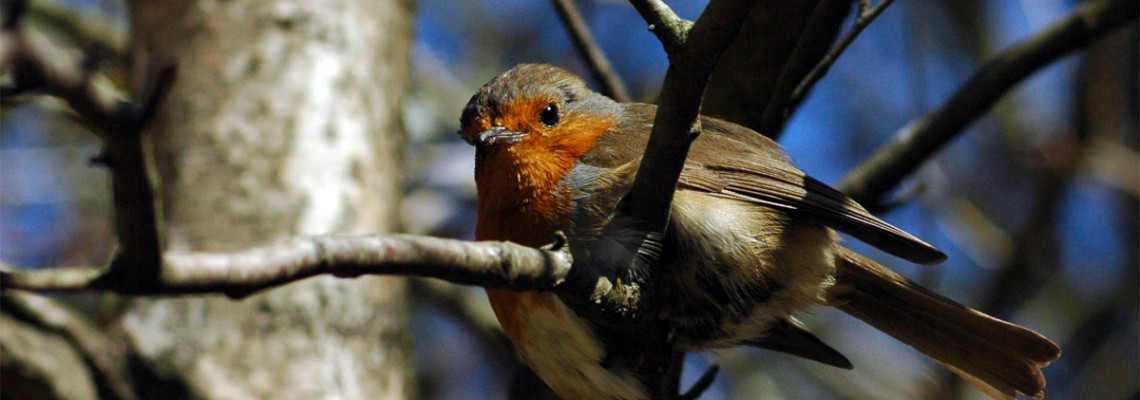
[[731, 161]]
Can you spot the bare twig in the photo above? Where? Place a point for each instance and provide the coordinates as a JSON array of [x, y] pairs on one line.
[[140, 267], [489, 264], [692, 55], [703, 383], [37, 64], [864, 18], [785, 98], [693, 50], [811, 48], [920, 138], [134, 181], [670, 29], [595, 58]]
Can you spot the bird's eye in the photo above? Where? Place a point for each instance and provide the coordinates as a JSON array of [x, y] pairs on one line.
[[549, 115]]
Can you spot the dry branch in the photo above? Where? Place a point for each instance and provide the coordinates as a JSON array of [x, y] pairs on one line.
[[670, 29], [693, 49], [140, 267], [864, 18], [786, 97], [600, 68], [919, 139], [489, 264], [38, 65]]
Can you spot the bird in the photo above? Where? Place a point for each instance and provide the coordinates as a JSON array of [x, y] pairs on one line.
[[750, 240]]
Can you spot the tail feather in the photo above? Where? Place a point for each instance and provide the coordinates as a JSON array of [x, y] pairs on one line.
[[998, 357], [790, 336]]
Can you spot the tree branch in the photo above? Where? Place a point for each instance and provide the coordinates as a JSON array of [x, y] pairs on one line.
[[488, 264], [671, 30], [595, 58], [813, 46], [799, 75], [39, 65], [693, 50], [786, 98], [692, 55], [141, 267], [920, 138], [864, 18], [702, 384]]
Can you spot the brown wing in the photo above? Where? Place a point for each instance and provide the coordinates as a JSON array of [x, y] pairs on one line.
[[732, 161]]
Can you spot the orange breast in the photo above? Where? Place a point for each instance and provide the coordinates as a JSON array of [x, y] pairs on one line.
[[510, 306], [556, 343], [520, 201], [528, 226]]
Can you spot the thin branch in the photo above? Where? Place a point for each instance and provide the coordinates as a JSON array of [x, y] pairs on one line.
[[37, 64], [676, 125], [703, 383], [866, 15], [600, 67], [811, 48], [134, 183], [671, 30], [693, 50], [488, 264], [920, 138]]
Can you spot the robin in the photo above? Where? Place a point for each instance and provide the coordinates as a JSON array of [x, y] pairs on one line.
[[749, 242]]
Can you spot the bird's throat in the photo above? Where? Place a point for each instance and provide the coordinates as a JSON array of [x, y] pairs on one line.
[[521, 194], [519, 197]]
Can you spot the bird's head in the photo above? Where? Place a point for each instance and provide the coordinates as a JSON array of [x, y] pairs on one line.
[[536, 113]]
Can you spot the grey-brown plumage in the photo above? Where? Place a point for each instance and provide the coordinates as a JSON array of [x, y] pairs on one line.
[[733, 163], [749, 242]]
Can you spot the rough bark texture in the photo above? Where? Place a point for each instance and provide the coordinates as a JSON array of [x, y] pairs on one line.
[[283, 121]]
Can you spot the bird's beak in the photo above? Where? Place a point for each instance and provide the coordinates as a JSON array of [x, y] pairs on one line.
[[499, 135]]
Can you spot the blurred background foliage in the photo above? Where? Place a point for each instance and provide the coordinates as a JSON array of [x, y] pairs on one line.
[[1036, 204]]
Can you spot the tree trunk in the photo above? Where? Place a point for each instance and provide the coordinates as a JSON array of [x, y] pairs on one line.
[[283, 121]]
